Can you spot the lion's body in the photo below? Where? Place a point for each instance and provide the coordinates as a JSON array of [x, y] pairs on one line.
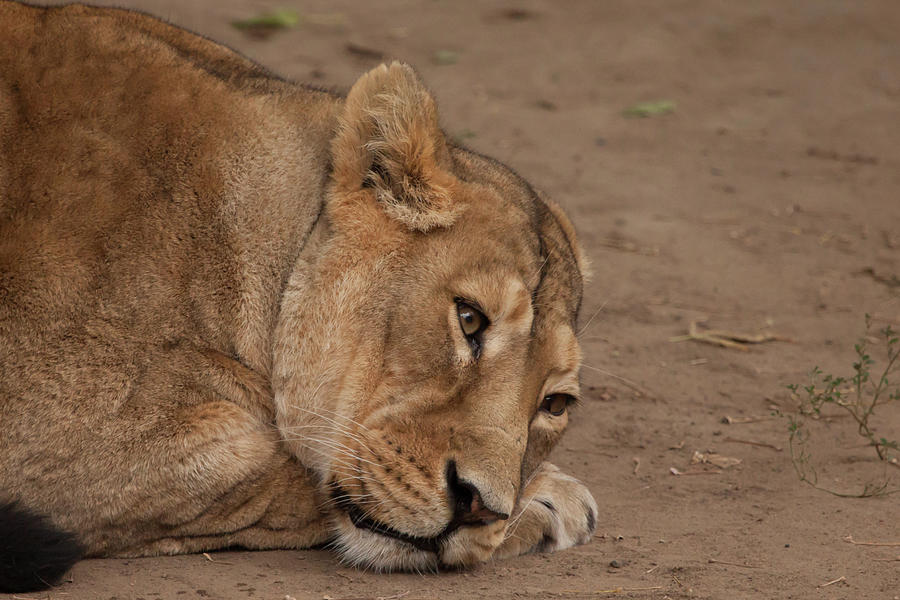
[[138, 269], [172, 285]]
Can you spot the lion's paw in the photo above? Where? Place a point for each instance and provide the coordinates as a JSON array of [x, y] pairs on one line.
[[555, 511]]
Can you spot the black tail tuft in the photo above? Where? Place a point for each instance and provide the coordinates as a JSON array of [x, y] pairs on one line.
[[33, 554]]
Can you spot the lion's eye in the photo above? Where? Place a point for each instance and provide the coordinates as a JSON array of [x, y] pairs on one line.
[[470, 319], [556, 404], [472, 322]]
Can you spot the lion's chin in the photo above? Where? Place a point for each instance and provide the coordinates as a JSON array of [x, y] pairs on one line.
[[368, 550], [464, 548]]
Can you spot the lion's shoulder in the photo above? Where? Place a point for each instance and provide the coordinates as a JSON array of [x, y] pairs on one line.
[[130, 143]]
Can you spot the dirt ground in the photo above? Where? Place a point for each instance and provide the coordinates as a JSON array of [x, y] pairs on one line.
[[768, 200]]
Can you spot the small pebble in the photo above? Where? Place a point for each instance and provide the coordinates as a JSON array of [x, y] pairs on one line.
[[617, 564]]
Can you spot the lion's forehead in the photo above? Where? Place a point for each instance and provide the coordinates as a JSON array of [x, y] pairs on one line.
[[528, 276], [556, 347], [532, 233]]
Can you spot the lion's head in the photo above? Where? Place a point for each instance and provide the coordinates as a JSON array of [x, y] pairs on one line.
[[426, 353]]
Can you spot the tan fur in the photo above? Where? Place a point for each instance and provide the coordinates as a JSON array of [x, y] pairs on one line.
[[224, 296]]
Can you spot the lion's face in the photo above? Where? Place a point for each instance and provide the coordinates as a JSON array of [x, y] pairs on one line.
[[426, 355]]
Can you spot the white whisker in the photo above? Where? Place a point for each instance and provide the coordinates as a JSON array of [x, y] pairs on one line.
[[632, 384], [349, 434], [597, 312]]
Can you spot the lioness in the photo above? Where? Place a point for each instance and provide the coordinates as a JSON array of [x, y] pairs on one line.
[[236, 311]]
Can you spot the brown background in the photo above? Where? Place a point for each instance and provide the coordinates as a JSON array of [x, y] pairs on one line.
[[758, 204]]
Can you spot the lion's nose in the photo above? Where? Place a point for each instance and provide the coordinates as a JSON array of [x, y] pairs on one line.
[[468, 506]]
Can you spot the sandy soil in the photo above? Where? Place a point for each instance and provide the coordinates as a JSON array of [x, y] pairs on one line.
[[759, 204]]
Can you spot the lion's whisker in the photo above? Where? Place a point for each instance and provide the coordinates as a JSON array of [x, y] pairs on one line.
[[537, 274], [340, 426], [596, 312], [632, 384], [513, 525], [332, 456], [341, 449], [336, 414], [348, 433]]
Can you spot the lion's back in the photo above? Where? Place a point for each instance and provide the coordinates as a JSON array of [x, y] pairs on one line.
[[100, 121], [107, 84]]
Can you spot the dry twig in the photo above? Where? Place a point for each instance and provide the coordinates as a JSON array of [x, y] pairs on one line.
[[393, 597], [753, 443], [849, 539], [712, 458], [716, 561], [675, 471], [218, 562], [833, 581], [744, 420], [727, 339], [624, 590]]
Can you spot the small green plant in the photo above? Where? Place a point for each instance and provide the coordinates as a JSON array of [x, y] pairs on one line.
[[858, 396]]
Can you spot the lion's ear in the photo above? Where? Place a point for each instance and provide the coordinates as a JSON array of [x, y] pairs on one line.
[[389, 140]]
